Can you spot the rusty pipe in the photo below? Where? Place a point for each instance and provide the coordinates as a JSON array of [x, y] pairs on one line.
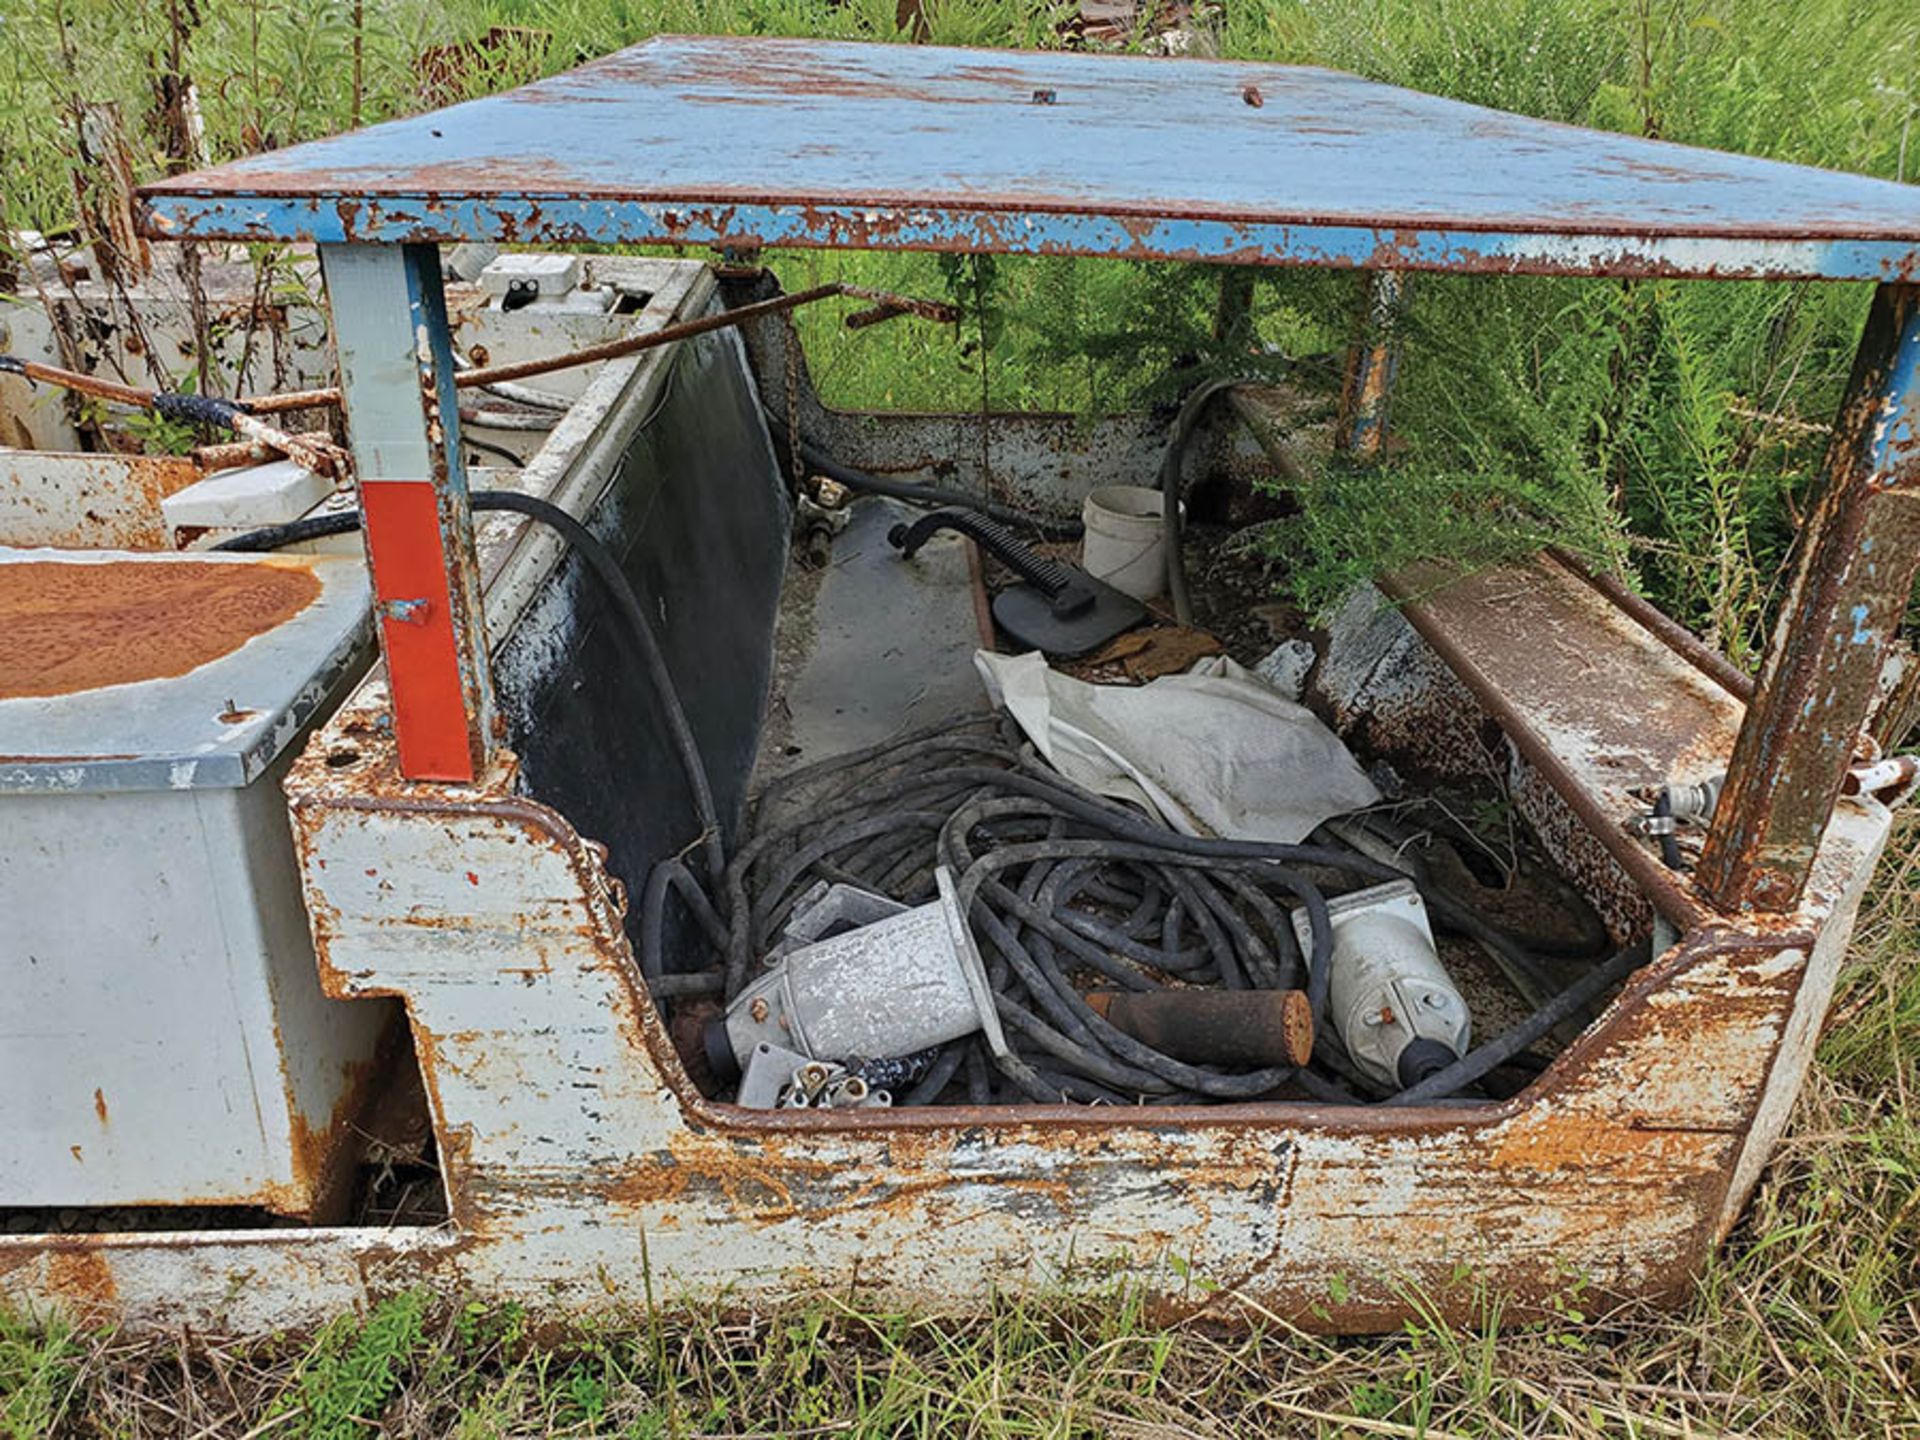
[[232, 454], [1893, 775], [316, 452], [634, 344], [1214, 1027]]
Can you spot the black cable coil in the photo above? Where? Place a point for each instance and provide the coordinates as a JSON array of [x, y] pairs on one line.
[[1060, 885]]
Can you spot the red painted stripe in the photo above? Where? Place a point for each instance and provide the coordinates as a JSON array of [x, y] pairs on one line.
[[423, 660]]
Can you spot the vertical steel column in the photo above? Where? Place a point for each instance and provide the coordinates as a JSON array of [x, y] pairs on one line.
[[1372, 360], [1852, 579], [396, 375]]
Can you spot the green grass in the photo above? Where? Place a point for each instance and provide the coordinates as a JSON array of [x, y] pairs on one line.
[[1641, 423]]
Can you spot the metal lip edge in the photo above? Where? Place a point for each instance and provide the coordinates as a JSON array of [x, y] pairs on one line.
[[373, 1241], [909, 225], [1710, 662], [1672, 896]]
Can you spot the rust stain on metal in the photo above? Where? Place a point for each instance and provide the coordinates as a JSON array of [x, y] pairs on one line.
[[77, 626], [1852, 581], [1596, 718], [100, 1105], [83, 502], [78, 1276]]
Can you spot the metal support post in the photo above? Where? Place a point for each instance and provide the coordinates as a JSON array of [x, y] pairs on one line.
[[1371, 362], [1852, 579], [389, 320]]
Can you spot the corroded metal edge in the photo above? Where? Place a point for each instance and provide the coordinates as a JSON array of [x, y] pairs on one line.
[[585, 1170], [534, 219]]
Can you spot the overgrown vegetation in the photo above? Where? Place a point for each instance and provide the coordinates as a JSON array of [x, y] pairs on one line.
[[1673, 429]]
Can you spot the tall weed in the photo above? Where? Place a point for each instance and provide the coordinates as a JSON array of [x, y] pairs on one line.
[[1670, 430]]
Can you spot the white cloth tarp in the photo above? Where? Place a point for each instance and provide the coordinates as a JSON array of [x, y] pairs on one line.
[[1212, 752]]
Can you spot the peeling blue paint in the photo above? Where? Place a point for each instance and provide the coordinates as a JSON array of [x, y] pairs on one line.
[[887, 147]]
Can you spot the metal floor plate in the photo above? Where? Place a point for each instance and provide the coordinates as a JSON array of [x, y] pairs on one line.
[[872, 646]]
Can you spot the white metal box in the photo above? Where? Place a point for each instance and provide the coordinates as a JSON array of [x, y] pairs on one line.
[[164, 1040]]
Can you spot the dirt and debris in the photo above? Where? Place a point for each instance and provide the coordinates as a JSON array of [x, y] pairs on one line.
[[1151, 651]]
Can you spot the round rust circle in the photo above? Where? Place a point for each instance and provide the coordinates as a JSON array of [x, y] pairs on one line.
[[73, 626]]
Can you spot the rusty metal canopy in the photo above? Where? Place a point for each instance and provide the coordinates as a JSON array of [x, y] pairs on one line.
[[903, 147]]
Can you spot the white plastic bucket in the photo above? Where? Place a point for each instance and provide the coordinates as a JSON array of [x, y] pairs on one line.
[[1124, 544]]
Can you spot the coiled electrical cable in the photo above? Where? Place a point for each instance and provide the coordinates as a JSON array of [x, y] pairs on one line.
[[1065, 892], [1064, 889]]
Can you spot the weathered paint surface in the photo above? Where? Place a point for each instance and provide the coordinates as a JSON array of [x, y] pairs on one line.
[[1852, 584], [584, 1169], [810, 143], [396, 375], [75, 501]]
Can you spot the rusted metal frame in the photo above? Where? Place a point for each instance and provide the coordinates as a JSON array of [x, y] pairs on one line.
[[863, 1185], [564, 220], [1852, 580], [1670, 898], [315, 452], [389, 325], [1373, 360], [886, 307]]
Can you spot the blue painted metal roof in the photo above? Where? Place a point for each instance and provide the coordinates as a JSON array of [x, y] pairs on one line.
[[851, 146]]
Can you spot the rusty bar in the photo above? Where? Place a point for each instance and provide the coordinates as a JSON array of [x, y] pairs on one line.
[[938, 312], [232, 454], [75, 380], [1372, 360], [1214, 1027], [1682, 641], [292, 400], [1852, 578], [634, 344], [389, 323], [315, 451]]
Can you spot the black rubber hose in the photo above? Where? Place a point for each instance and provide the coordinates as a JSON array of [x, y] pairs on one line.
[[1669, 846], [928, 1087], [314, 527], [653, 910], [601, 559], [1477, 1062], [1171, 461], [916, 494], [678, 987], [1176, 888], [996, 539]]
